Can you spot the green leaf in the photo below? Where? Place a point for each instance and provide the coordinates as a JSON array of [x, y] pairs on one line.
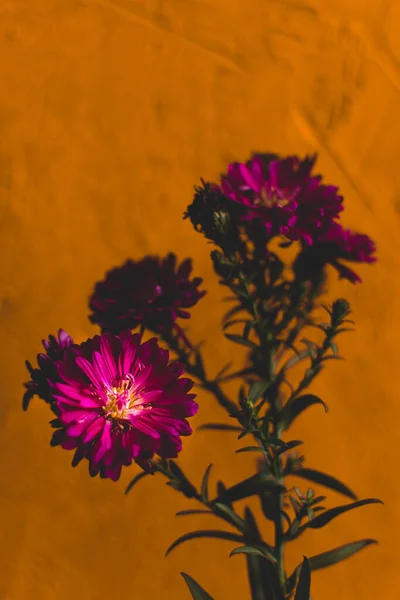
[[208, 533], [249, 550], [219, 427], [329, 558], [204, 483], [239, 340], [289, 446], [231, 516], [331, 357], [257, 389], [232, 311], [251, 449], [325, 518], [222, 371], [256, 571], [247, 329], [304, 585], [295, 407], [134, 481], [180, 481], [233, 322], [295, 359], [325, 480], [198, 593], [326, 559], [221, 489], [334, 348], [312, 347], [184, 513], [249, 487]]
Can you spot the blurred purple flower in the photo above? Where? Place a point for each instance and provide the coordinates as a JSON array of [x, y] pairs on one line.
[[43, 379], [152, 292]]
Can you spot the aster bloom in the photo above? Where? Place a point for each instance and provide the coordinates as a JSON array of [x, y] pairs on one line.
[[339, 243], [282, 195], [120, 400], [152, 292], [332, 247], [43, 379]]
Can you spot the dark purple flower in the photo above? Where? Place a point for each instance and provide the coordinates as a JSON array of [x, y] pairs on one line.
[[152, 292], [43, 379], [119, 401], [339, 243], [332, 247], [283, 196]]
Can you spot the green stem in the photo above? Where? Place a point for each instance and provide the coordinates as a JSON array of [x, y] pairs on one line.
[[279, 523]]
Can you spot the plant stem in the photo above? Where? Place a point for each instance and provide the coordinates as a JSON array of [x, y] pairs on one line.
[[279, 538]]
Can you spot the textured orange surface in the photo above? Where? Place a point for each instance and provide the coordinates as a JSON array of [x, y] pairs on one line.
[[111, 110]]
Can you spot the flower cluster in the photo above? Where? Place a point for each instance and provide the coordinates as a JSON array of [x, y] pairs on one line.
[[118, 399], [282, 197]]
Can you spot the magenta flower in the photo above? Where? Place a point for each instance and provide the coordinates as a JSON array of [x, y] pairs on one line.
[[43, 379], [332, 247], [282, 195], [339, 243], [153, 292], [119, 401]]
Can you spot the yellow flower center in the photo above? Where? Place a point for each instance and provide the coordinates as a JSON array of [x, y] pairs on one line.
[[270, 200], [123, 400]]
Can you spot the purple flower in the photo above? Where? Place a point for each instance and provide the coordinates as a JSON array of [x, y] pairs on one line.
[[339, 243], [335, 245], [282, 195], [153, 292], [119, 401], [44, 378]]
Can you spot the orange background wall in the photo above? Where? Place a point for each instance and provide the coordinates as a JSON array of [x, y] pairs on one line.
[[110, 112]]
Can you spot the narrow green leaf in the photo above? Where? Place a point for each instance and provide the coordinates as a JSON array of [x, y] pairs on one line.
[[239, 340], [277, 442], [208, 533], [334, 348], [233, 322], [247, 329], [219, 427], [325, 480], [198, 593], [304, 585], [232, 311], [204, 483], [184, 513], [249, 487], [257, 389], [326, 559], [256, 571], [231, 516], [295, 359], [325, 518], [248, 550], [289, 446], [251, 449], [181, 482], [222, 371], [331, 557], [295, 407], [134, 481]]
